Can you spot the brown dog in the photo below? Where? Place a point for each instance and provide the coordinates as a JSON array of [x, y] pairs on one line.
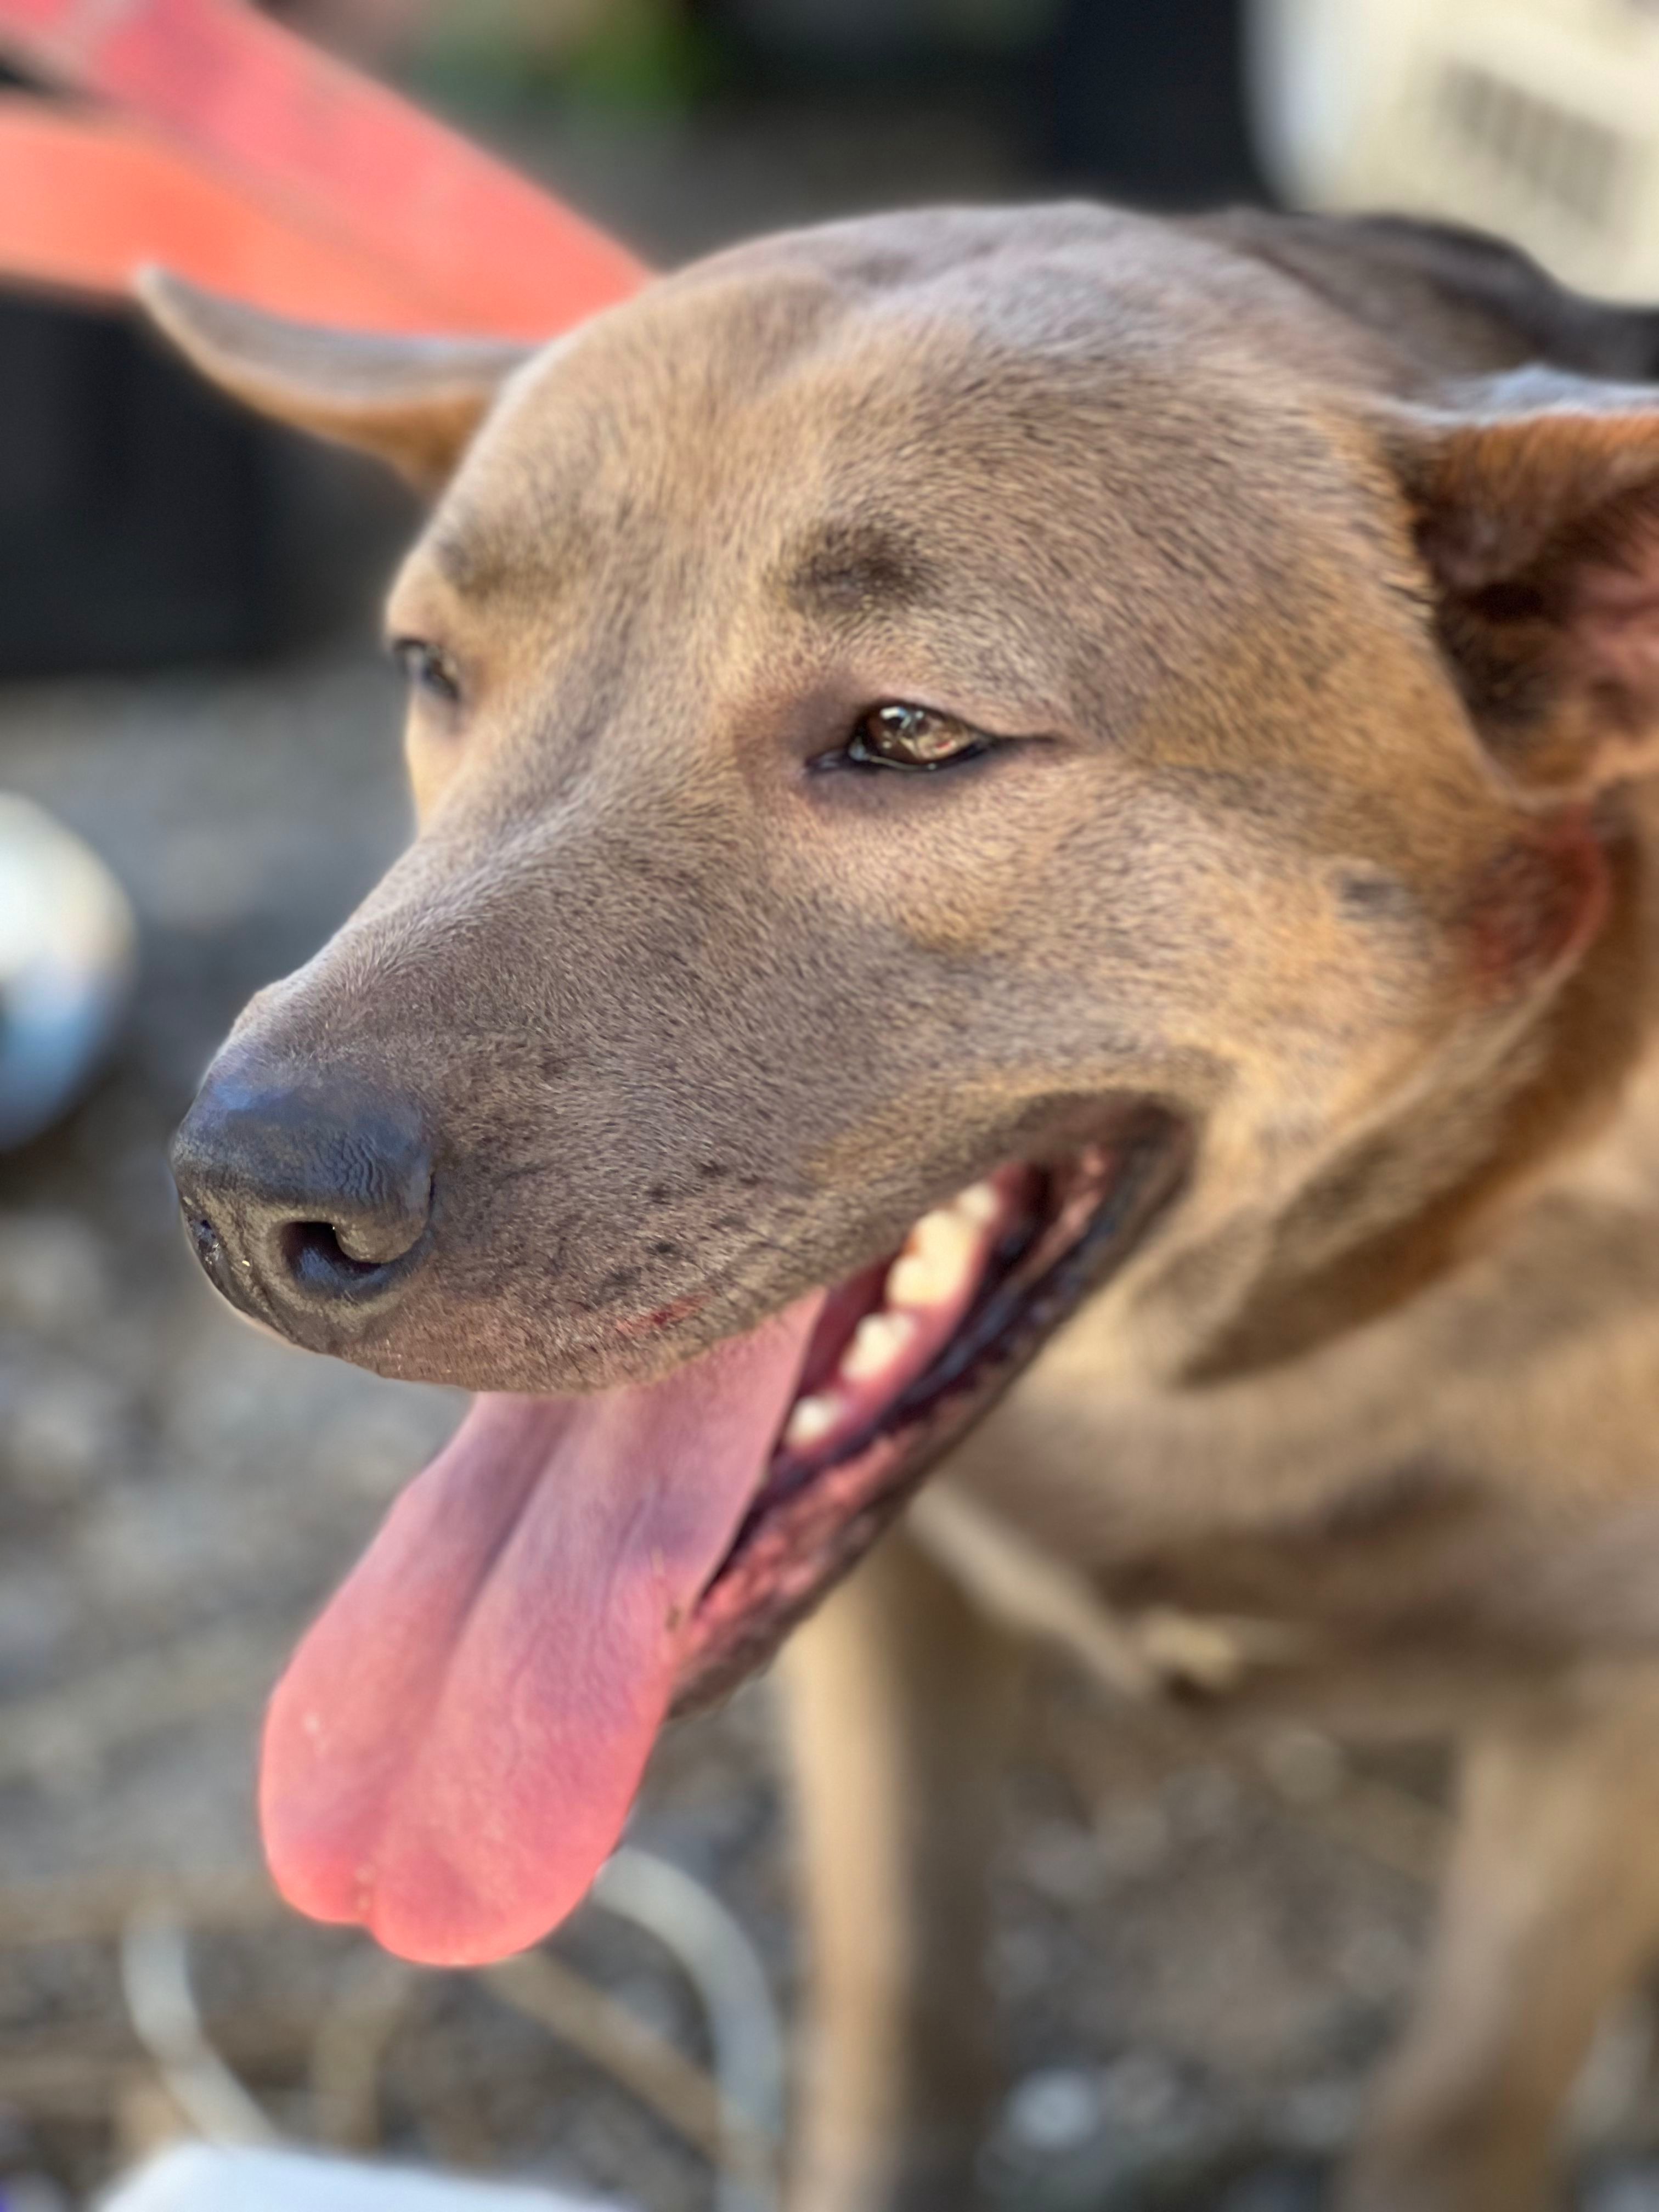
[[1101, 757]]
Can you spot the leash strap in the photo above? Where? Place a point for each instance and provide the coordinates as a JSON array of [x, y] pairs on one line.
[[220, 144]]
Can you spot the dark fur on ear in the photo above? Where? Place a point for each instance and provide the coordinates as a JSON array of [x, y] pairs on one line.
[[1461, 300], [1517, 424], [1599, 337], [1534, 501]]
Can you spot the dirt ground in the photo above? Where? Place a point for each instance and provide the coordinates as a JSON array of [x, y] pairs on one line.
[[1197, 1958]]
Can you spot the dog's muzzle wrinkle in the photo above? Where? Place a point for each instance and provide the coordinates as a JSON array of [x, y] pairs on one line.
[[307, 1199]]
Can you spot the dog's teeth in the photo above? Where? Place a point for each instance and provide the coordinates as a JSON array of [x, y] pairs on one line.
[[811, 1421], [979, 1204], [878, 1341], [936, 1262]]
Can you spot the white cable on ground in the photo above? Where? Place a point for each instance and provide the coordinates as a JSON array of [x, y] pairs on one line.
[[155, 1980], [721, 1964], [703, 1938]]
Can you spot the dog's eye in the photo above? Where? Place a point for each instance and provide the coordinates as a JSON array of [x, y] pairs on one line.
[[900, 736], [427, 668]]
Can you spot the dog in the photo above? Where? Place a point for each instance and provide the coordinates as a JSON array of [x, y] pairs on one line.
[[1049, 798]]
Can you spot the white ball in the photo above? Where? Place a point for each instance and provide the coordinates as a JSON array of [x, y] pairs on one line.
[[68, 948]]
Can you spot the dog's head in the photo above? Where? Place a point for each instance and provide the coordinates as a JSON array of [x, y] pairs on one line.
[[962, 762]]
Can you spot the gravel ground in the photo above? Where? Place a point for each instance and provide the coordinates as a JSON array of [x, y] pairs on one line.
[[1197, 1958]]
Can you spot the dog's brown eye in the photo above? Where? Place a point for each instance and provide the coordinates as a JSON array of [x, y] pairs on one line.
[[900, 736], [427, 668]]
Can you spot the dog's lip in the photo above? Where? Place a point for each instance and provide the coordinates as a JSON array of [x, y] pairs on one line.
[[800, 1535]]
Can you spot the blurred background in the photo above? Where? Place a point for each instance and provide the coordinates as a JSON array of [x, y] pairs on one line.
[[1197, 1958]]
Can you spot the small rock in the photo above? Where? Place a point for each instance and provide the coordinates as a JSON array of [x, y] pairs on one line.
[[1054, 2111]]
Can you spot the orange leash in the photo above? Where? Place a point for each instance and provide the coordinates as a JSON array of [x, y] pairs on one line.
[[238, 154]]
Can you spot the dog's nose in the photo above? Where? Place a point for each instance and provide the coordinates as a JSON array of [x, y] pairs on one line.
[[307, 1198]]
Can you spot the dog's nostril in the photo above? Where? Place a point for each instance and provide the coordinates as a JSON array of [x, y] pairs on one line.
[[314, 1248], [316, 1257]]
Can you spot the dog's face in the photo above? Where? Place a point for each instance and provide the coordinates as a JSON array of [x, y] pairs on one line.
[[864, 732], [925, 707]]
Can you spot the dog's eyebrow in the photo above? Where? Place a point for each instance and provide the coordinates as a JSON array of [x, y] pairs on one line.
[[850, 569], [463, 561]]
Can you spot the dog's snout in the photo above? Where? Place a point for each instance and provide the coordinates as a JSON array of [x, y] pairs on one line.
[[307, 1199]]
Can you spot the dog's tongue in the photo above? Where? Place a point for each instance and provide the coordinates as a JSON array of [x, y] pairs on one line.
[[454, 1748]]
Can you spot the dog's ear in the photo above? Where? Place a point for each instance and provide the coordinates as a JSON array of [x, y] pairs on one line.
[[1535, 500], [1450, 297], [413, 402]]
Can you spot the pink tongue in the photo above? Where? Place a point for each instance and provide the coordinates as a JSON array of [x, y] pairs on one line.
[[453, 1750]]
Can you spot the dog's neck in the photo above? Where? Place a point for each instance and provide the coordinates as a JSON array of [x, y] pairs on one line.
[[1430, 1183]]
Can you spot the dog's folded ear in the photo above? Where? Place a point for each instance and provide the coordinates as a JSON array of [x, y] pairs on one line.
[[413, 402], [1534, 499]]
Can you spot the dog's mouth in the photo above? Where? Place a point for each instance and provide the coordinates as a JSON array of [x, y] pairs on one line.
[[454, 1749], [903, 1359]]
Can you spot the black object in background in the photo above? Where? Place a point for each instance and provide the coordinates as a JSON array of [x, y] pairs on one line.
[[1146, 101], [1142, 100], [144, 520], [132, 510]]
